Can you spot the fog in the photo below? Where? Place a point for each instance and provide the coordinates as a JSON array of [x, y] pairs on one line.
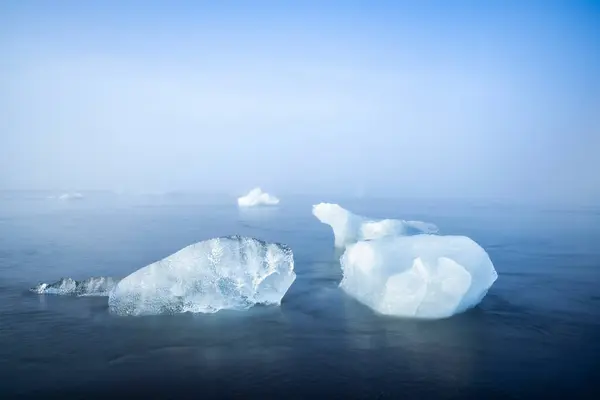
[[499, 102]]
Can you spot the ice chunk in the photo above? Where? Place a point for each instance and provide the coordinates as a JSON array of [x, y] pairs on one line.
[[231, 272], [350, 228], [423, 276], [256, 197], [70, 196], [95, 286]]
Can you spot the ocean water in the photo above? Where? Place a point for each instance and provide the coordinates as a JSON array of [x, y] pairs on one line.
[[537, 333]]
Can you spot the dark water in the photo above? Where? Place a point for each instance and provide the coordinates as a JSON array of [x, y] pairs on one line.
[[537, 333]]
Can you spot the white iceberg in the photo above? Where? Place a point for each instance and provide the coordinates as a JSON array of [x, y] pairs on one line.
[[422, 276], [70, 196], [94, 286], [223, 273], [350, 228], [256, 197]]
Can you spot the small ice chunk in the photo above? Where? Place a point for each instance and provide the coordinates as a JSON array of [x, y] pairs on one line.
[[350, 228], [70, 196], [422, 276], [231, 272], [94, 286], [256, 197]]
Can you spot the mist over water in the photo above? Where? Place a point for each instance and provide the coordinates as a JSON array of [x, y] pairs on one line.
[[388, 100]]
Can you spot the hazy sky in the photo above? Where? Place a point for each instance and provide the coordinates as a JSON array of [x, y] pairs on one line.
[[432, 98]]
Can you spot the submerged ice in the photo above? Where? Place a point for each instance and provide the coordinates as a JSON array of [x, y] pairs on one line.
[[95, 286], [256, 197], [223, 273], [423, 276], [350, 228]]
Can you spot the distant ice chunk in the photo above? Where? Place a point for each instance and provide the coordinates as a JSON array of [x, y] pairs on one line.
[[256, 197], [70, 196], [422, 276], [350, 228], [231, 272], [95, 286]]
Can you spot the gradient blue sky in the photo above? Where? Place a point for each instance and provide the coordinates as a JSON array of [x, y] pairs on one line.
[[495, 99]]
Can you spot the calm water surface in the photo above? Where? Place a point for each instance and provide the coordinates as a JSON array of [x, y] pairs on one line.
[[536, 333]]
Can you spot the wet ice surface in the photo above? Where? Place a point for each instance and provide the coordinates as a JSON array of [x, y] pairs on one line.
[[224, 273]]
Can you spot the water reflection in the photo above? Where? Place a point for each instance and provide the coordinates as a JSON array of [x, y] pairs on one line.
[[442, 351]]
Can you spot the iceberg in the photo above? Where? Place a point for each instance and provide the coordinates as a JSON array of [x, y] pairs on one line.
[[350, 228], [420, 276], [256, 197], [95, 286], [231, 272], [71, 196]]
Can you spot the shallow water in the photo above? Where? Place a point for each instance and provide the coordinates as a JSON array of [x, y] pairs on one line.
[[536, 333]]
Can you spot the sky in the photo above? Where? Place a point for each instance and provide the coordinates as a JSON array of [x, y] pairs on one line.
[[442, 99]]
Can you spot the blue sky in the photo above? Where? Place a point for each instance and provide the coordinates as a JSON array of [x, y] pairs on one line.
[[435, 99]]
